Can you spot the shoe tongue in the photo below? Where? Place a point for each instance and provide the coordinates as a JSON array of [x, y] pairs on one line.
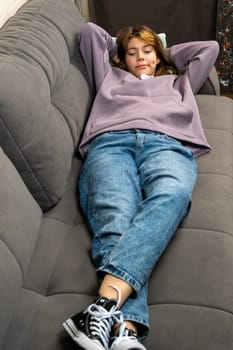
[[106, 303]]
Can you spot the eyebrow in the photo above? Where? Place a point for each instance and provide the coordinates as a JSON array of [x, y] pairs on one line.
[[135, 48]]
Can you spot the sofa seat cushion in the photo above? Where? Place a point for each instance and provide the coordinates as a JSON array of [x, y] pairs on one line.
[[59, 278], [44, 96], [190, 290], [20, 218]]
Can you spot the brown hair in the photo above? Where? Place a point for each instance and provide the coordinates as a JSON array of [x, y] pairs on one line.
[[165, 66]]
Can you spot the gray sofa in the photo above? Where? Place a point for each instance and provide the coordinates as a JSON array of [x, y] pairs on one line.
[[46, 273]]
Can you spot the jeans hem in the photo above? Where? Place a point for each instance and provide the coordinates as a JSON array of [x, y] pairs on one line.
[[142, 325], [120, 274]]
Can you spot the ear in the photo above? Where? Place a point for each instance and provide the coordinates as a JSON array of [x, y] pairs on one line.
[[116, 59], [122, 65]]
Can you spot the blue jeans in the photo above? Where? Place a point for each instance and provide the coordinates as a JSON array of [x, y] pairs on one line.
[[135, 188]]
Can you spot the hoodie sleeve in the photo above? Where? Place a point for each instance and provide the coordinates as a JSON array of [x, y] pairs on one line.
[[97, 47], [196, 59]]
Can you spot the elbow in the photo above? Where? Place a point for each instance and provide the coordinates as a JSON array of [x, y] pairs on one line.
[[87, 29]]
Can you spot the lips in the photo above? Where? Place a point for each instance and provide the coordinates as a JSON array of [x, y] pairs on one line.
[[141, 66]]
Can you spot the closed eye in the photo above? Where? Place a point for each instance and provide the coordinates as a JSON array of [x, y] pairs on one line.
[[131, 53]]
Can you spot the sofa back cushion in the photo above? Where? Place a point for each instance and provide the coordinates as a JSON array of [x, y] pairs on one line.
[[44, 95]]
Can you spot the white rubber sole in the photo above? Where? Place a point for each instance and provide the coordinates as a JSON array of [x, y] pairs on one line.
[[128, 345], [80, 338]]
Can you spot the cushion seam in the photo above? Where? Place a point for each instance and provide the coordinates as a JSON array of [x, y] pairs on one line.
[[24, 158]]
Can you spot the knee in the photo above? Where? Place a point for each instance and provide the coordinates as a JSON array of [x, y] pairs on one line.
[[181, 191], [173, 195], [181, 196]]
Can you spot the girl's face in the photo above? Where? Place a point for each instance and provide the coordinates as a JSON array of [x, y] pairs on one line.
[[140, 58]]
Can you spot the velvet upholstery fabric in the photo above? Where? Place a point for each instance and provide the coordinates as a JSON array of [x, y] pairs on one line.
[[41, 117], [46, 272]]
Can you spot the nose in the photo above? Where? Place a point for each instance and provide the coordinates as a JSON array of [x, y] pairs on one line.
[[140, 56]]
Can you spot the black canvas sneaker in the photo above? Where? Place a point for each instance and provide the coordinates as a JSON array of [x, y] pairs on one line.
[[126, 340], [91, 328]]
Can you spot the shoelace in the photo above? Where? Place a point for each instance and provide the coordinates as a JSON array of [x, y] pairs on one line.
[[102, 320]]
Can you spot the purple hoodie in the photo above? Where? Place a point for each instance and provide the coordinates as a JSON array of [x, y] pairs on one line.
[[164, 104]]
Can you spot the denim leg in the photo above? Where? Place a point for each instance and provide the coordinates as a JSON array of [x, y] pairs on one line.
[[130, 231], [109, 192], [167, 173], [136, 309]]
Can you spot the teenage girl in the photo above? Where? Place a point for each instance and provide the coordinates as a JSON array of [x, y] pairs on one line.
[[139, 144]]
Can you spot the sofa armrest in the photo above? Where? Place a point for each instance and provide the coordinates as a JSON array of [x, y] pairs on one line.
[[211, 85]]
